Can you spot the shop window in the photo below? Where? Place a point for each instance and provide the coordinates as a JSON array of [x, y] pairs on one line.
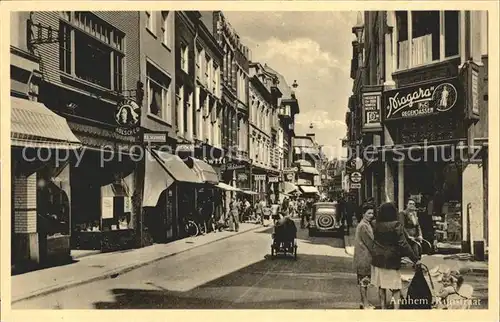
[[425, 43], [52, 206], [158, 84]]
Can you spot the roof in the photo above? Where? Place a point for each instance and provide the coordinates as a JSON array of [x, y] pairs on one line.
[[283, 86]]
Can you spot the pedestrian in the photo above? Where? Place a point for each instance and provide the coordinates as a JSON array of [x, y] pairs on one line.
[[389, 246], [363, 244], [259, 211], [235, 214], [411, 225]]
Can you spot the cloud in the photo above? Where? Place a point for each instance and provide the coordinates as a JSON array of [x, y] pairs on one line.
[[320, 119], [313, 48]]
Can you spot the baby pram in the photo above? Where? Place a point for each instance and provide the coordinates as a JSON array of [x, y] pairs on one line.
[[437, 288], [285, 233]]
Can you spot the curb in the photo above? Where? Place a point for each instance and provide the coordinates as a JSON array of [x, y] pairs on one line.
[[117, 271]]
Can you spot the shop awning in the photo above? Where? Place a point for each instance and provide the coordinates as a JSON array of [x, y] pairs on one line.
[[310, 170], [176, 167], [249, 192], [34, 125], [309, 189], [303, 163], [206, 173], [161, 171], [289, 187], [223, 186]]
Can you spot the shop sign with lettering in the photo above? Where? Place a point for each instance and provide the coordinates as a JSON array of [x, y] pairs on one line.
[[259, 177], [372, 108], [422, 100], [273, 179], [471, 84]]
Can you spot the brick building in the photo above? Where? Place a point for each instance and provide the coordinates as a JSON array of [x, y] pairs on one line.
[[440, 56], [80, 201]]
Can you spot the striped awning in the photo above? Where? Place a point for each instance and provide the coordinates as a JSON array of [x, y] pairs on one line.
[[34, 125], [289, 187], [223, 186], [205, 171], [309, 189], [310, 170]]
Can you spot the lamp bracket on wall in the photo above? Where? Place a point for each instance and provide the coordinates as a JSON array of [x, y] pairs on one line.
[[39, 34]]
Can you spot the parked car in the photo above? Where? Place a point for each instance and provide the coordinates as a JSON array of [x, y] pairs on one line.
[[327, 218]]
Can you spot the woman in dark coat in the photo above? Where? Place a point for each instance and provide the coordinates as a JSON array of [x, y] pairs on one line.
[[389, 246]]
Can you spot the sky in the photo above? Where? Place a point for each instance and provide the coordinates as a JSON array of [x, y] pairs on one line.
[[314, 48]]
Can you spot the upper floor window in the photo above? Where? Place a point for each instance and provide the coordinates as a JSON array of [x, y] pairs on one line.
[[166, 38], [150, 21], [184, 53], [158, 90], [424, 37], [91, 42]]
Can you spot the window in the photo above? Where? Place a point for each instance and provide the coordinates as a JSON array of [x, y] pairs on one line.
[[184, 53], [180, 108], [157, 85], [165, 30], [150, 21], [420, 36], [89, 54], [95, 44]]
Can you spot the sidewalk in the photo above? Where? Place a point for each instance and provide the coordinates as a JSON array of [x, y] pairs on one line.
[[433, 260], [108, 265]]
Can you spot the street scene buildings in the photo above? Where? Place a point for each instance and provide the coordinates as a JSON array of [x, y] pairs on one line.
[[156, 148]]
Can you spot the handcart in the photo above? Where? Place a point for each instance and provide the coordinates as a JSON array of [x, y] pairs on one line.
[[284, 238]]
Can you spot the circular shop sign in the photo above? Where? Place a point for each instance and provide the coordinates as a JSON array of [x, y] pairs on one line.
[[356, 177], [127, 113], [444, 97]]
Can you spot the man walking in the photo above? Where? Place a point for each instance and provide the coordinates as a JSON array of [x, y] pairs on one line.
[[235, 214]]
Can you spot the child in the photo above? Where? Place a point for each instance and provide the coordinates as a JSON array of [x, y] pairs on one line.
[[362, 256]]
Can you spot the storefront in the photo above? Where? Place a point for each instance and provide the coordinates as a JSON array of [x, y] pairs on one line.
[[169, 196], [104, 206], [41, 145], [428, 156]]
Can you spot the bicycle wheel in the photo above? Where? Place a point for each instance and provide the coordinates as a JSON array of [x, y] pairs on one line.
[[202, 227], [191, 228]]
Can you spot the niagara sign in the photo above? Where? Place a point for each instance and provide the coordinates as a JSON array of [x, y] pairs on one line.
[[421, 100]]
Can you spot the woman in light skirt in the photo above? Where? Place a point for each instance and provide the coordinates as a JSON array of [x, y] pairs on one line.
[[390, 245]]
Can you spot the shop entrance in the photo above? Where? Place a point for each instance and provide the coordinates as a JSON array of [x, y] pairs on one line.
[[436, 188]]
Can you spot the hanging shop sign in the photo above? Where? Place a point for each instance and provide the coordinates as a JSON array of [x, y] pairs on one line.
[[355, 186], [259, 177], [155, 137], [127, 116], [232, 166], [371, 104], [422, 100], [355, 177], [273, 179], [470, 76]]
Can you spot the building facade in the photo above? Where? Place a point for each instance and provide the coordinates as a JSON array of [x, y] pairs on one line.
[[307, 159], [235, 103], [439, 57], [263, 135], [87, 201]]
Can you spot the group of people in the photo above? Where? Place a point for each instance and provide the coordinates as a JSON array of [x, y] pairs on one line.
[[383, 237]]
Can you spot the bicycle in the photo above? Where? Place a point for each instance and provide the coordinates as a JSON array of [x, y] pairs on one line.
[[193, 228]]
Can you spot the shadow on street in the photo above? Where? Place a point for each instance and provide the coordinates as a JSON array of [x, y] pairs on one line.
[[313, 281]]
